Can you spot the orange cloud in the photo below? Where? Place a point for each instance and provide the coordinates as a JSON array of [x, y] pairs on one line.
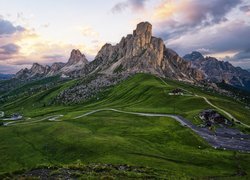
[[33, 47]]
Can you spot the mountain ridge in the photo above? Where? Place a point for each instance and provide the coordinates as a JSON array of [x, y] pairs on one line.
[[219, 71], [137, 52], [141, 52], [76, 61]]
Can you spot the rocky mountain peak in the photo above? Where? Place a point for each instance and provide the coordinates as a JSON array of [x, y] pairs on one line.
[[36, 65], [76, 62], [195, 55], [144, 29], [37, 69], [141, 52], [219, 71], [142, 35], [137, 52], [77, 57]]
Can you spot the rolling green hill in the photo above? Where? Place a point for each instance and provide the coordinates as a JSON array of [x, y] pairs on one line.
[[160, 145]]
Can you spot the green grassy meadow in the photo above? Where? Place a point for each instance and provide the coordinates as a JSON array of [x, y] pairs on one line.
[[113, 138]]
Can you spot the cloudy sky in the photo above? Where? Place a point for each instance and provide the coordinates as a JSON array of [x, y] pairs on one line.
[[45, 31]]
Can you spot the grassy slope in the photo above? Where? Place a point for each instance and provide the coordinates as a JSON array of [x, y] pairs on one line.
[[109, 137]]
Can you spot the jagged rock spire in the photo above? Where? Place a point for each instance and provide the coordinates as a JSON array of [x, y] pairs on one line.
[[144, 33], [76, 57]]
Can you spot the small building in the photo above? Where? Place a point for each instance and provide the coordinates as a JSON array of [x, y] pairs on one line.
[[211, 117], [177, 91]]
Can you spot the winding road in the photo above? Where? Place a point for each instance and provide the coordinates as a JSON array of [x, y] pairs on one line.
[[22, 122], [230, 116], [223, 138]]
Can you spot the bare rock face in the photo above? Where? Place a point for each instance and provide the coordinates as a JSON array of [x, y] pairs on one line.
[[76, 57], [55, 68], [142, 37], [22, 74], [76, 62], [141, 52], [137, 52], [37, 69]]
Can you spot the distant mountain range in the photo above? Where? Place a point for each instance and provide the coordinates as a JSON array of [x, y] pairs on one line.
[[141, 52], [219, 71], [76, 62], [6, 76]]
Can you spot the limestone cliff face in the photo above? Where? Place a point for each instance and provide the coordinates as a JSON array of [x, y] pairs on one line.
[[55, 68], [137, 52], [141, 52], [76, 62]]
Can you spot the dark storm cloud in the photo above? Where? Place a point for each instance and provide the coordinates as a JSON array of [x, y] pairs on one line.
[[243, 55], [133, 4], [6, 27], [9, 49], [233, 37], [195, 15], [245, 8], [241, 59]]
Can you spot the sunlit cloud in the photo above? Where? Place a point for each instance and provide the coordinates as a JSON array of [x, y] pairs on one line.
[[23, 46], [89, 32], [175, 18], [216, 28]]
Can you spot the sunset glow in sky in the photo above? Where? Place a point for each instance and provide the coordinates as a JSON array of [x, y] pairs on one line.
[[45, 31]]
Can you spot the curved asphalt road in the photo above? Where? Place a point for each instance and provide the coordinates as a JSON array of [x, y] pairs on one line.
[[21, 122], [223, 138], [230, 116]]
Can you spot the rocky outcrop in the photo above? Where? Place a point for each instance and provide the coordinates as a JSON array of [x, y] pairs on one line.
[[194, 56], [22, 74], [219, 71], [141, 52], [135, 53], [77, 61], [55, 68]]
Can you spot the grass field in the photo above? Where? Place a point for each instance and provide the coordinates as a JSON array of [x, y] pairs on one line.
[[108, 137]]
